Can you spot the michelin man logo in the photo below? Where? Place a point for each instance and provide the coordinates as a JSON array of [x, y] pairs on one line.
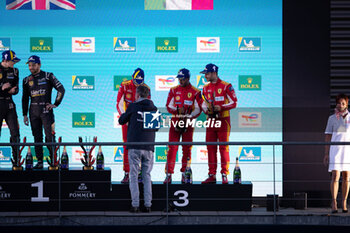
[[151, 120], [250, 154], [249, 44]]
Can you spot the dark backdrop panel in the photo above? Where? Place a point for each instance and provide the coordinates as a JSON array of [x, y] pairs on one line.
[[305, 96]]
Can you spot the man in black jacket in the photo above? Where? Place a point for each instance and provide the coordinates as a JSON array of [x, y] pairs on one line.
[[38, 86], [8, 88], [143, 154]]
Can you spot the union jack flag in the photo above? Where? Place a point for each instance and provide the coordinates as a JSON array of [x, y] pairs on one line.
[[40, 4]]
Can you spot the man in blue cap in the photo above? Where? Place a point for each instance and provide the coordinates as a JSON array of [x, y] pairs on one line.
[[38, 87], [8, 88], [183, 102], [219, 98], [126, 96]]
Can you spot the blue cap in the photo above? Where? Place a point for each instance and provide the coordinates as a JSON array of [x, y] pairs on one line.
[[210, 68], [34, 59], [138, 76], [10, 55], [183, 74]]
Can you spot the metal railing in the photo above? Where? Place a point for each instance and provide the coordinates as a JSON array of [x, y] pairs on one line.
[[167, 198]]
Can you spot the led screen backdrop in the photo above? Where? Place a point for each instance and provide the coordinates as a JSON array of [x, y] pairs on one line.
[[92, 46]]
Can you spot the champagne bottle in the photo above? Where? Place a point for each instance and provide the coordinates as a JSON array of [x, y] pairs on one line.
[[188, 172], [100, 160], [64, 159], [237, 173], [29, 160]]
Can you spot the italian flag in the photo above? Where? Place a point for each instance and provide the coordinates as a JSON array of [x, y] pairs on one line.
[[179, 4]]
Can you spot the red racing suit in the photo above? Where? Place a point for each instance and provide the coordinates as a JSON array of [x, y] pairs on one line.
[[220, 93], [188, 98], [126, 95]]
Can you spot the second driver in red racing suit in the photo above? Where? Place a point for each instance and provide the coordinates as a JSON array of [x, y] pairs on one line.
[[183, 103]]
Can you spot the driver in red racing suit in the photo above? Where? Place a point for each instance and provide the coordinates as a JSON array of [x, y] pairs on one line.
[[219, 97], [183, 100], [126, 95]]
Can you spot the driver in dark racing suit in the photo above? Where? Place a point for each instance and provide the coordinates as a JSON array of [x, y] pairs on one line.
[[8, 88], [38, 86]]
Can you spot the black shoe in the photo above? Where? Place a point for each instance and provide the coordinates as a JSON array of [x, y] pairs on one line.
[[39, 165], [334, 211], [183, 178], [167, 179], [134, 209], [146, 210], [125, 180], [345, 211]]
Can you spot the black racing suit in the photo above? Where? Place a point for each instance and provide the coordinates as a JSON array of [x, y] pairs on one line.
[[39, 88], [8, 107]]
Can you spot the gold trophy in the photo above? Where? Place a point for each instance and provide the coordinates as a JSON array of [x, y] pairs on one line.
[[54, 160], [210, 104], [18, 162], [182, 115], [88, 159]]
